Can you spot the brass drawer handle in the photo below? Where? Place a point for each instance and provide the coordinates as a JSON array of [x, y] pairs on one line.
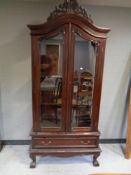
[[46, 143], [49, 142], [88, 141], [43, 142], [85, 142], [82, 142]]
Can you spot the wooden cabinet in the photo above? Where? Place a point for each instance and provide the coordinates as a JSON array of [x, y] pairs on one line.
[[67, 68]]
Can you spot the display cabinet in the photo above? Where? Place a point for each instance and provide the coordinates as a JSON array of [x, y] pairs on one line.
[[67, 68]]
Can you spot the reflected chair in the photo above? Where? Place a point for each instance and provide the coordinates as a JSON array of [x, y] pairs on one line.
[[84, 102], [51, 90], [57, 97], [58, 91]]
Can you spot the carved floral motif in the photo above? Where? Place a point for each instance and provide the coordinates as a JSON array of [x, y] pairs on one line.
[[70, 7]]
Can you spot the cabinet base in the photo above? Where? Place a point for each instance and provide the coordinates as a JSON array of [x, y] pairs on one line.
[[64, 152]]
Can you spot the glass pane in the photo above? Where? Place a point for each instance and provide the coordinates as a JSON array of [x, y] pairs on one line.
[[83, 82], [51, 81]]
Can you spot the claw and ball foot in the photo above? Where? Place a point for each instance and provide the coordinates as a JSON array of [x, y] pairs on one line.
[[33, 163], [95, 162]]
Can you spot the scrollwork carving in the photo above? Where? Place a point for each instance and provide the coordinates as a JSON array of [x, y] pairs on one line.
[[70, 7]]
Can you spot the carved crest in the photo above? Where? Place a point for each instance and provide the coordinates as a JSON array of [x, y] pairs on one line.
[[70, 7]]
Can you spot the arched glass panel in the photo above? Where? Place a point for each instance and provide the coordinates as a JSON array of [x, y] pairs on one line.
[[83, 82], [51, 78]]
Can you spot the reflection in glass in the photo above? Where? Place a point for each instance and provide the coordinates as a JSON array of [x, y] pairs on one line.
[[51, 81], [83, 82]]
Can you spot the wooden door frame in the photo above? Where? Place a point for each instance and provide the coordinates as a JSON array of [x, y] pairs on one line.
[[36, 38], [100, 43]]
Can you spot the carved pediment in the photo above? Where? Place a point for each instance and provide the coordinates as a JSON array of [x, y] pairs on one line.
[[70, 7]]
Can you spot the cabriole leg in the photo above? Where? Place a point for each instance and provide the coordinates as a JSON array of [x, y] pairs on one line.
[[33, 163], [95, 162]]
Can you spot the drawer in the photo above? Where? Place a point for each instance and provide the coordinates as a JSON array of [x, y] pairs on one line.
[[60, 142]]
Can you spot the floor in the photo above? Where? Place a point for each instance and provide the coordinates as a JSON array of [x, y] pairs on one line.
[[14, 160]]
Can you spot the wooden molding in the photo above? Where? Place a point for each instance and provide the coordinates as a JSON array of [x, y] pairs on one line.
[[128, 138]]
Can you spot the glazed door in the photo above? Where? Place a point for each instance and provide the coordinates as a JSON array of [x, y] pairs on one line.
[[82, 73], [51, 78], [49, 81], [64, 80]]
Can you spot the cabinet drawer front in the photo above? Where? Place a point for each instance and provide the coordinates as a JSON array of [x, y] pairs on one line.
[[57, 142]]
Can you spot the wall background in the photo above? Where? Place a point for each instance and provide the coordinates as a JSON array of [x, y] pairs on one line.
[[15, 67]]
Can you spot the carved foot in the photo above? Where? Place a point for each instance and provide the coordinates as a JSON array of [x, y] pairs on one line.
[[33, 163], [95, 162]]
